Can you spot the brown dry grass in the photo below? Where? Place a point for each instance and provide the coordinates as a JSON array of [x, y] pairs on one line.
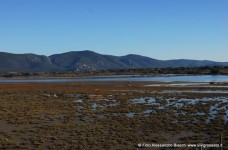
[[46, 116]]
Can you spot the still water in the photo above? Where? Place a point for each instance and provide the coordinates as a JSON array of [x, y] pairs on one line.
[[202, 78]]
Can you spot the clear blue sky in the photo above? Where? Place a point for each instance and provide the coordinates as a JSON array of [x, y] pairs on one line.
[[161, 29]]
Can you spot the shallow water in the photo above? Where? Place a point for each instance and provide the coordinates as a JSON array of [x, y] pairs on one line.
[[182, 102], [79, 101], [181, 84], [173, 104], [143, 100], [198, 91], [130, 114], [94, 106], [146, 113], [188, 85], [197, 78]]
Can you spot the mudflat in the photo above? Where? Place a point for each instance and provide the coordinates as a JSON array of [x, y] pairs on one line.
[[111, 115]]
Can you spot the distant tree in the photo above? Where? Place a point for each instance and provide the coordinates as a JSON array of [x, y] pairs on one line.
[[26, 74], [8, 75], [214, 71]]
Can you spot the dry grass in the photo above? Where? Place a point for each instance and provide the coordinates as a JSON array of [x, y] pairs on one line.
[[46, 116]]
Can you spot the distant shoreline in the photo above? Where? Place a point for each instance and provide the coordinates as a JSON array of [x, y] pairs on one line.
[[117, 73], [213, 80]]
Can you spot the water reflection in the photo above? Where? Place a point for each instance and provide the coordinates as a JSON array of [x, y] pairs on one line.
[[197, 78]]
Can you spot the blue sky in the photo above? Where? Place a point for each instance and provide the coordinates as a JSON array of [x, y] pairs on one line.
[[161, 29]]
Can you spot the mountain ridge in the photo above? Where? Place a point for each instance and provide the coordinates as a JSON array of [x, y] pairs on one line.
[[89, 60]]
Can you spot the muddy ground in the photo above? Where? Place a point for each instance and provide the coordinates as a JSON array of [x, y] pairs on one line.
[[110, 115]]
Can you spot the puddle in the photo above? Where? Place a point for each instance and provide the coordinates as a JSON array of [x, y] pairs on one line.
[[186, 101], [183, 112], [208, 91], [182, 102], [214, 112], [79, 101], [216, 106], [180, 84], [200, 113], [94, 106], [198, 91], [188, 84], [146, 113], [130, 114], [147, 100]]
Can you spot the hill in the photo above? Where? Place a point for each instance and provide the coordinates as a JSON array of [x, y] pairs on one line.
[[89, 60]]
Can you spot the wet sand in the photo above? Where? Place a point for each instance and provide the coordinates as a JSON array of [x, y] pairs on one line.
[[110, 115]]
